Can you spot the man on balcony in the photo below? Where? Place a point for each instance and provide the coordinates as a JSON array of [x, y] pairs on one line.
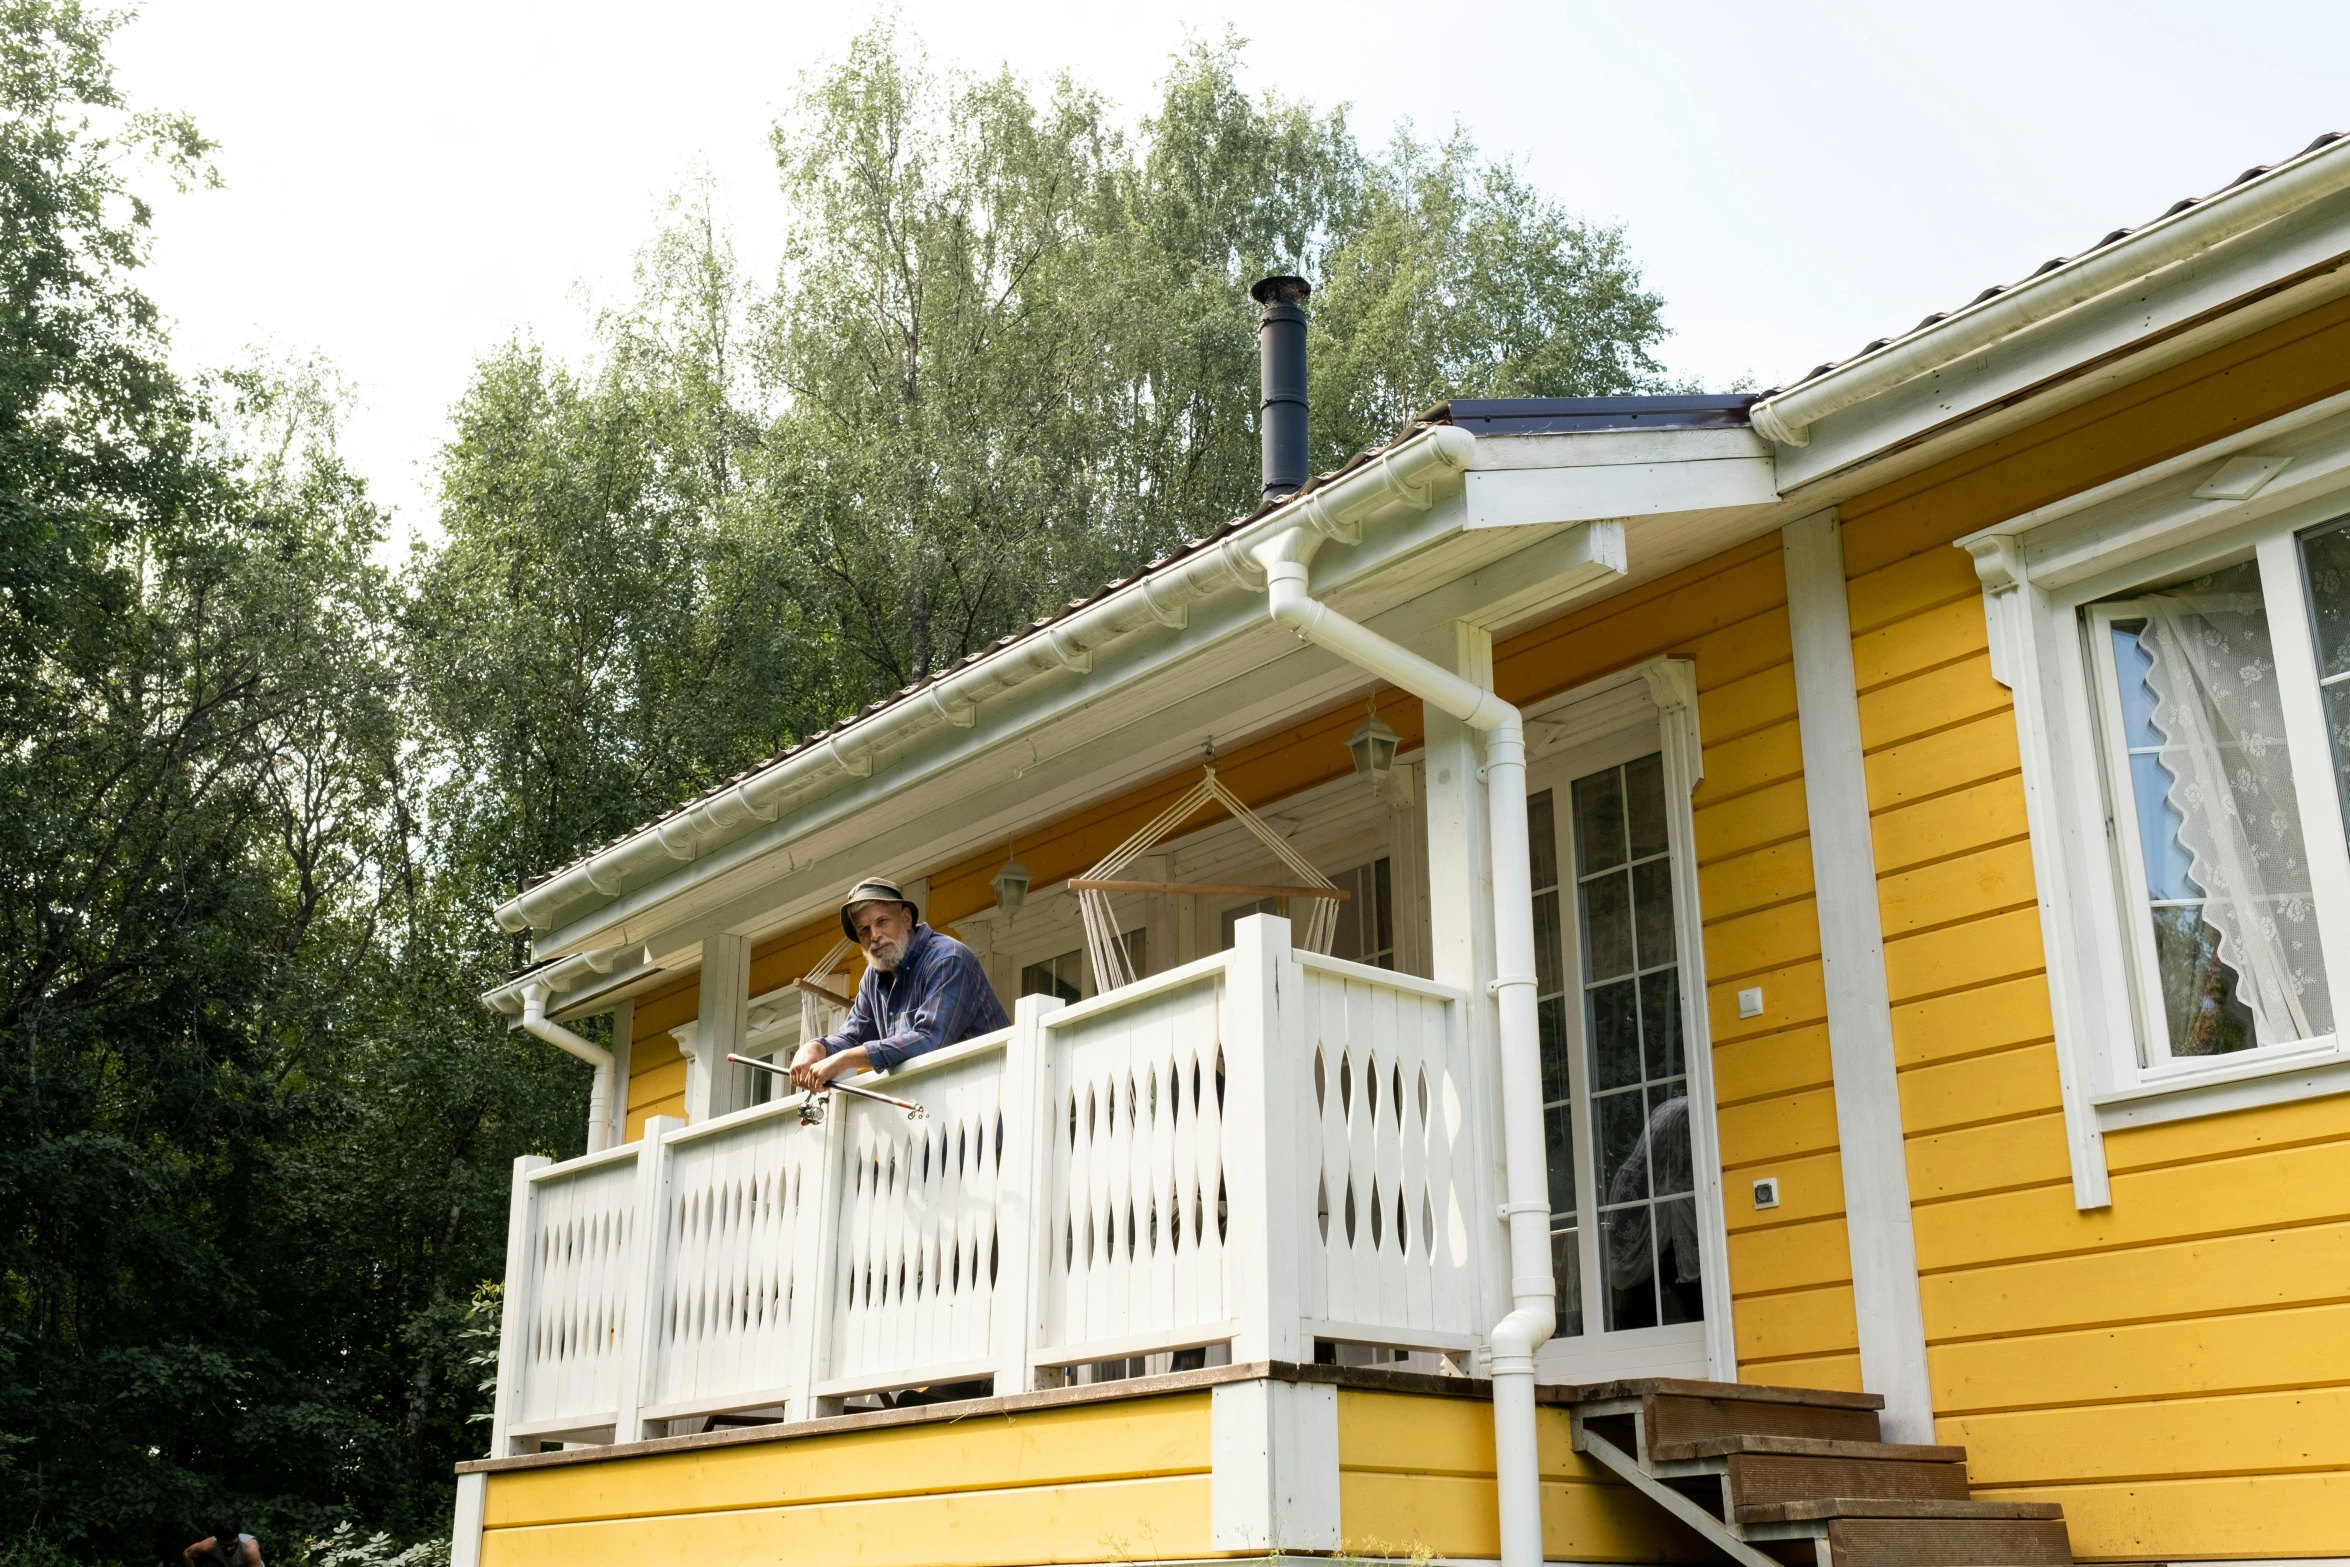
[[922, 991]]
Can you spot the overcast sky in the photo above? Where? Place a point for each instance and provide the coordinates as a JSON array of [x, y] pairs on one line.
[[408, 185]]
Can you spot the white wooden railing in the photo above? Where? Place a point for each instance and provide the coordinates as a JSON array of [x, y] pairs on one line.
[[1262, 1150]]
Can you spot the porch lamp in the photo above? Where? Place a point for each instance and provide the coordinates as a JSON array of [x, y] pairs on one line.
[[1010, 884], [1373, 746]]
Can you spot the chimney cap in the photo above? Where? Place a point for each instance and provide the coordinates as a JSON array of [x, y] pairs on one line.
[[1280, 289]]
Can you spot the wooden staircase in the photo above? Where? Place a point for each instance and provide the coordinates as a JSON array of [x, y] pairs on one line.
[[1791, 1477]]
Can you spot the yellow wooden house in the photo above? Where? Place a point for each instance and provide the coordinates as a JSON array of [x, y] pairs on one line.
[[1771, 1001]]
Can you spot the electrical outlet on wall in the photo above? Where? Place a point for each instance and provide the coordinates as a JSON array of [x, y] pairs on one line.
[[1766, 1192]]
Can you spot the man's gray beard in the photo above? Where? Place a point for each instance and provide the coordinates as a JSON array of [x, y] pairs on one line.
[[887, 955]]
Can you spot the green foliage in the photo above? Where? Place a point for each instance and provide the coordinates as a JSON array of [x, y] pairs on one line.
[[258, 792]]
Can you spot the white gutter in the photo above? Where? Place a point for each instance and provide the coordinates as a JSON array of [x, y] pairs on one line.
[[2320, 172], [1533, 1291], [535, 992], [1161, 598]]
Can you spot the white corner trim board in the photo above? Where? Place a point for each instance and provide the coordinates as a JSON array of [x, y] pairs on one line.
[[2038, 573], [1852, 955]]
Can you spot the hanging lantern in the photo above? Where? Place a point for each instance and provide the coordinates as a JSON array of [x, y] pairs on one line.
[[1373, 746], [1011, 885]]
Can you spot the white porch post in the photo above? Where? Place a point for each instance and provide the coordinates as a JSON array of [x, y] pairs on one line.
[[1460, 920], [514, 1319], [641, 1360], [623, 1026], [1014, 1330], [1274, 1466], [1852, 955], [714, 1087], [1263, 1048]]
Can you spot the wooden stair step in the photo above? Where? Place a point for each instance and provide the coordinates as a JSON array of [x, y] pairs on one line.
[[1686, 1387], [1804, 1447], [1830, 1507], [1677, 1410], [1768, 1477]]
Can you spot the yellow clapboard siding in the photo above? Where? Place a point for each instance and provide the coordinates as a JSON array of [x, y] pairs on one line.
[[1418, 1434], [2178, 1202], [660, 1011], [2185, 1278], [2012, 1012], [2202, 1355], [1789, 1257], [2245, 1433], [1771, 815], [1807, 1323], [1766, 939], [1911, 586], [1756, 880], [1959, 757], [1925, 641], [639, 1114], [2230, 388], [1741, 648], [1783, 1126], [1771, 1064], [1675, 611], [658, 1078], [1763, 698], [2000, 946], [1933, 700], [1989, 881], [1388, 1516], [2264, 1517], [1994, 1158], [1935, 829], [1790, 996], [1811, 1187], [1118, 1440], [1750, 762], [1418, 1471], [2012, 1083], [1044, 1523], [1838, 1373], [2217, 1136]]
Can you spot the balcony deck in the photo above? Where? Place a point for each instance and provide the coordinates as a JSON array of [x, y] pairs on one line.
[[1241, 1158], [1235, 1461]]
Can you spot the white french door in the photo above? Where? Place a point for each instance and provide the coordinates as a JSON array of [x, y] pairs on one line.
[[1627, 1223]]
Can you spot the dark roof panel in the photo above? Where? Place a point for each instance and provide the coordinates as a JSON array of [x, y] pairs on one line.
[[1571, 415]]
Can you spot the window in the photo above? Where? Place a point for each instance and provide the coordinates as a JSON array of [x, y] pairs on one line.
[[1062, 976], [2181, 673], [1618, 990], [2224, 939], [1065, 976], [1366, 921]]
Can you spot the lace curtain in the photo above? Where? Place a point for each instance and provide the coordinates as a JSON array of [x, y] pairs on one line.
[[2222, 729]]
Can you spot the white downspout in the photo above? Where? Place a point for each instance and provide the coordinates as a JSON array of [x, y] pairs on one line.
[[535, 1024], [1533, 1292]]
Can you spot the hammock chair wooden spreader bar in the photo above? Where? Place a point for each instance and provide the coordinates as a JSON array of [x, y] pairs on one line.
[[1111, 968]]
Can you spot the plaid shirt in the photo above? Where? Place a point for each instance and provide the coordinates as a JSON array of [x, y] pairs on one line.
[[936, 997]]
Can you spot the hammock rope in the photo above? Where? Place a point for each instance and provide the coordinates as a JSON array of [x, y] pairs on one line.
[[1111, 967], [813, 1009]]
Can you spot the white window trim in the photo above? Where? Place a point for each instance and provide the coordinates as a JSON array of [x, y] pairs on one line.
[[1658, 700], [2038, 571]]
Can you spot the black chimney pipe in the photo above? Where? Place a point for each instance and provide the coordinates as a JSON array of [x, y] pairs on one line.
[[1281, 361]]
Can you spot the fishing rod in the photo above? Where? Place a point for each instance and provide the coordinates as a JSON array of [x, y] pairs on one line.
[[914, 1112]]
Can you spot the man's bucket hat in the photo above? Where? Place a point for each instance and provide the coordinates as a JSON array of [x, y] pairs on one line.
[[873, 889]]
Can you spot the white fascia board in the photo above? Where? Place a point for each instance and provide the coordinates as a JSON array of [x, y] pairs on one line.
[[1615, 474], [740, 882], [2268, 274]]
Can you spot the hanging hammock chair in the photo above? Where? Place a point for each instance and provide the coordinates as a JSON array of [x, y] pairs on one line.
[[1111, 966], [821, 1002]]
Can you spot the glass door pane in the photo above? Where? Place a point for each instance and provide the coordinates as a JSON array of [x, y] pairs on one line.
[[1634, 1070], [1558, 1106]]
